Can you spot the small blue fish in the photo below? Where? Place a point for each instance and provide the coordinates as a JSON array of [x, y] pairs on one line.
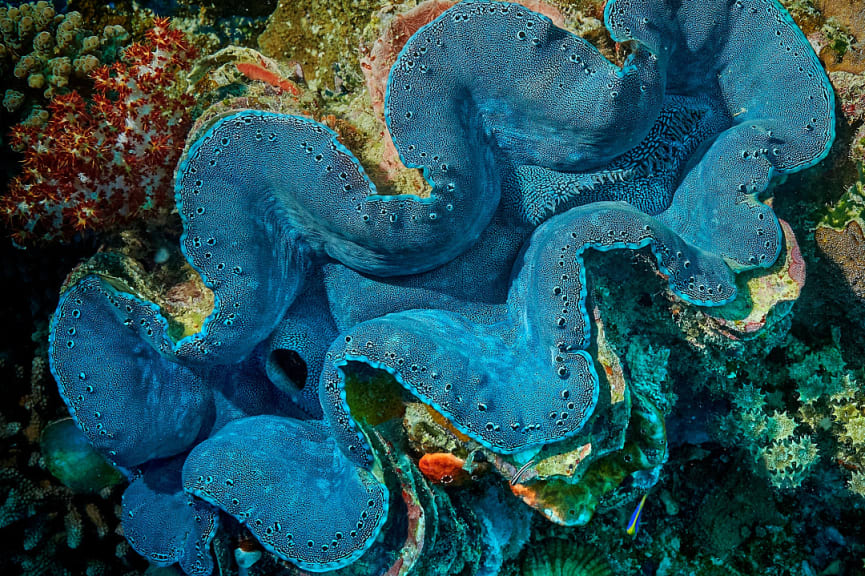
[[634, 522]]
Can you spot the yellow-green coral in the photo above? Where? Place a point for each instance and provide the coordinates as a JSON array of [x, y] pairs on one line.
[[857, 483], [848, 415], [854, 430], [374, 397], [42, 53], [781, 426], [847, 426]]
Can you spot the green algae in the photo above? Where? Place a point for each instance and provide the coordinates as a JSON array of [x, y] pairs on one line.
[[374, 396], [850, 207]]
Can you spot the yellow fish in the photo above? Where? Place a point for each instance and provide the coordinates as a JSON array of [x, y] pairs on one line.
[[634, 522]]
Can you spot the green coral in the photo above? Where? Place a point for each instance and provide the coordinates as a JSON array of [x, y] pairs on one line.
[[602, 486], [817, 373], [849, 207], [838, 38], [784, 458], [843, 416], [749, 398], [808, 403]]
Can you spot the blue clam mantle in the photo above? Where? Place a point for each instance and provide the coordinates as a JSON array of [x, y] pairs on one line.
[[537, 149]]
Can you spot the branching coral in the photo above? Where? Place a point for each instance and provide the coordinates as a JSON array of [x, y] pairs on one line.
[[48, 527], [473, 299]]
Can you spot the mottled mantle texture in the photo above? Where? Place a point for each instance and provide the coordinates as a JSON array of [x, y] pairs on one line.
[[537, 148]]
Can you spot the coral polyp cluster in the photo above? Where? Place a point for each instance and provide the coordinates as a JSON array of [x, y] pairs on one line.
[[100, 162], [44, 53]]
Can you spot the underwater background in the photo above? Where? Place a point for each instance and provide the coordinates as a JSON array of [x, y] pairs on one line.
[[723, 439]]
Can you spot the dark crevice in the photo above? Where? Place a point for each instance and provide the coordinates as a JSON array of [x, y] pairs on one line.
[[291, 365]]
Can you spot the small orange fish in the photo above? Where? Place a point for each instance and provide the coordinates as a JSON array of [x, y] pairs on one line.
[[259, 72]]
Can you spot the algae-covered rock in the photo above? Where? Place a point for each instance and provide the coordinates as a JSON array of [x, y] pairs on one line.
[[236, 65], [72, 460], [322, 36], [181, 294]]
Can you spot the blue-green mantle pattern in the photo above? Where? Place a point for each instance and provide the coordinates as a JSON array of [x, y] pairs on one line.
[[537, 148]]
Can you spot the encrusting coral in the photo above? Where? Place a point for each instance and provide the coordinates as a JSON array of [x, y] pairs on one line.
[[473, 299]]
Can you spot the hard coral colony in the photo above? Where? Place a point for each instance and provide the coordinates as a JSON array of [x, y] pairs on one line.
[[537, 148]]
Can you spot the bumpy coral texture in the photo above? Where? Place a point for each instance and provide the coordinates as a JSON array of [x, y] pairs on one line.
[[537, 149]]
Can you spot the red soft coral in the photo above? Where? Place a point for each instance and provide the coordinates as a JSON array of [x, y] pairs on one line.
[[98, 164]]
